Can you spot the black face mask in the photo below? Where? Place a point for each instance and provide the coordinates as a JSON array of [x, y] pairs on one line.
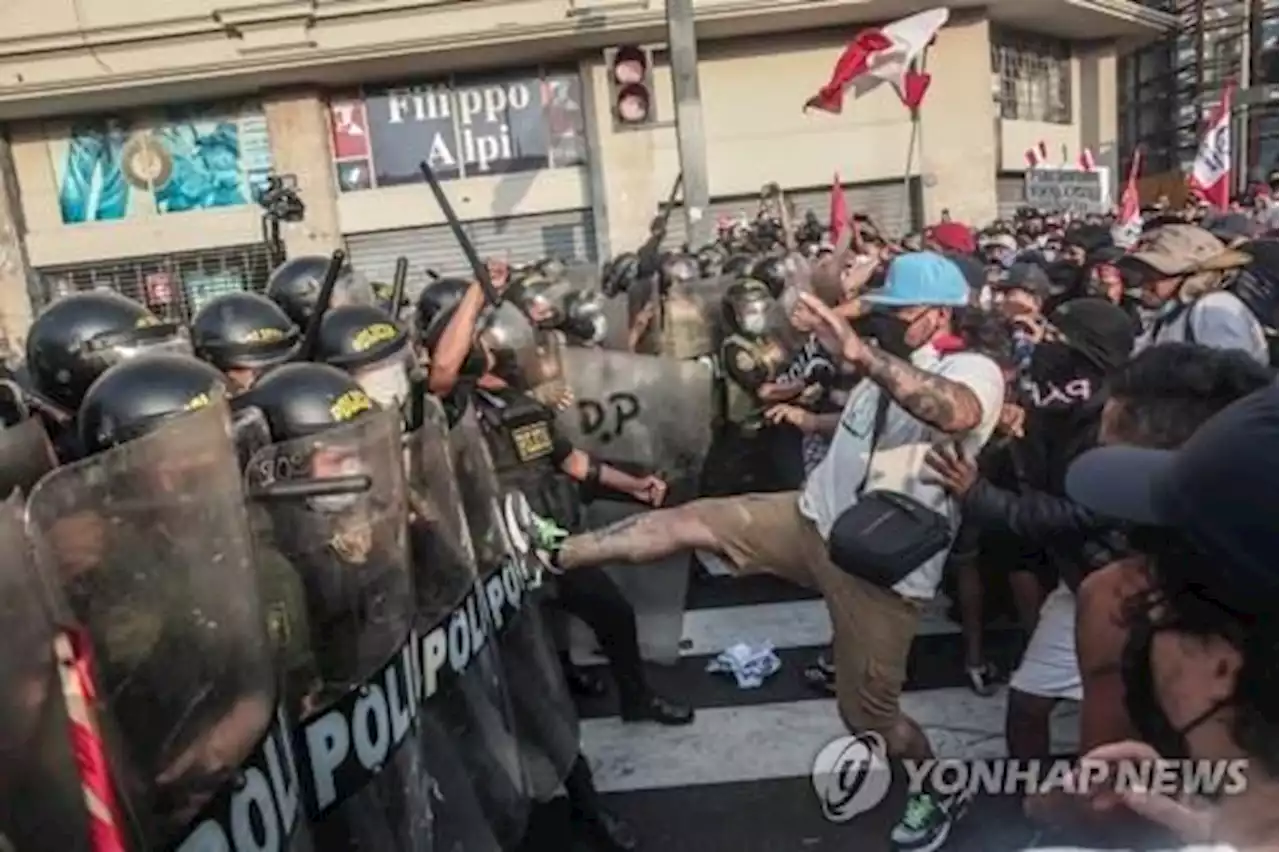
[[888, 331], [474, 365]]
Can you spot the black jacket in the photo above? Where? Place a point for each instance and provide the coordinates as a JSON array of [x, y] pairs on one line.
[[1074, 540]]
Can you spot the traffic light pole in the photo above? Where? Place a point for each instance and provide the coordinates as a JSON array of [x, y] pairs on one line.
[[682, 43]]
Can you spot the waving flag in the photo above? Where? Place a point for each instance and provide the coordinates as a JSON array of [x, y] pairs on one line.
[[1037, 155], [1085, 161], [886, 54], [1211, 172], [1128, 225], [839, 209]]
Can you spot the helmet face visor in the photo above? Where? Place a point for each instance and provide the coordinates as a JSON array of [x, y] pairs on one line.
[[107, 350]]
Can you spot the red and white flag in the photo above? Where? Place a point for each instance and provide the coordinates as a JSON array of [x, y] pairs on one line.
[[1128, 225], [1037, 155], [1210, 177], [1085, 161], [885, 54]]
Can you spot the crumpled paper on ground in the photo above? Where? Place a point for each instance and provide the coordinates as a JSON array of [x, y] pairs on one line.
[[749, 663]]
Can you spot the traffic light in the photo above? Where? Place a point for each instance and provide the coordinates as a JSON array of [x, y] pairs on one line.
[[631, 85]]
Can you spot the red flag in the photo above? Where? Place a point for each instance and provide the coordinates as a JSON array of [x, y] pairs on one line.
[[1086, 161], [1211, 172], [884, 55], [1128, 225], [1037, 155], [839, 209]]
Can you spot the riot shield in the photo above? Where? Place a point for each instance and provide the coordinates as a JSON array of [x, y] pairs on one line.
[[646, 414], [148, 551], [41, 802], [468, 727], [546, 719], [364, 782], [26, 454], [691, 312]]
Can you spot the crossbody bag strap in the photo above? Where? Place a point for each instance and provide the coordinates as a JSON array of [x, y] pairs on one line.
[[877, 430]]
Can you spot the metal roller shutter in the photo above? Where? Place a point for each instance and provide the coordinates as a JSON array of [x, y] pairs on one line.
[[568, 234], [891, 204], [1009, 195]]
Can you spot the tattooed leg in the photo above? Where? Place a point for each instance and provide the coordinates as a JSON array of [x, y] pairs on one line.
[[641, 538]]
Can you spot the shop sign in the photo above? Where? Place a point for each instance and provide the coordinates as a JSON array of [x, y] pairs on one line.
[[463, 127]]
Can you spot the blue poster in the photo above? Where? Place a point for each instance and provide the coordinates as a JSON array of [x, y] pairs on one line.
[[118, 167]]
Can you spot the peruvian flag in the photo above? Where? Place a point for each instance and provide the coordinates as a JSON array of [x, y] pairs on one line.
[[885, 54], [1085, 161], [1211, 172], [1128, 225], [839, 209], [1037, 155]]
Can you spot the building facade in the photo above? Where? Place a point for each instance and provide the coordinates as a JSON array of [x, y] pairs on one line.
[[1169, 87], [137, 135]]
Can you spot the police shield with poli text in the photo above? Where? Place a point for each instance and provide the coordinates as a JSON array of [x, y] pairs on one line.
[[546, 719], [469, 730], [333, 487], [146, 545]]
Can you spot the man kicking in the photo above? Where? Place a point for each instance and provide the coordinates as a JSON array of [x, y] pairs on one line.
[[932, 398]]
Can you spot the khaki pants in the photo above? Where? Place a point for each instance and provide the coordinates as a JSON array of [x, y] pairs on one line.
[[872, 627]]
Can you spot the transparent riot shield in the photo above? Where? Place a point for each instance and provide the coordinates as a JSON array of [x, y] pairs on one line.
[[691, 313], [42, 805], [147, 549], [645, 414], [546, 719], [364, 782], [467, 721], [26, 454]]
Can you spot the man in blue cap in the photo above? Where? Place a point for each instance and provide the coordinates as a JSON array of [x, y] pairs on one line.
[[1200, 662], [898, 410]]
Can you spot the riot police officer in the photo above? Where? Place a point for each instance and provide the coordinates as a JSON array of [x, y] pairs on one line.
[[77, 338], [556, 305], [365, 342], [446, 319], [347, 541], [244, 335], [147, 541], [295, 287]]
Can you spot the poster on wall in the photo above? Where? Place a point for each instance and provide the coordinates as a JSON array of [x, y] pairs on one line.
[[110, 168], [463, 126]]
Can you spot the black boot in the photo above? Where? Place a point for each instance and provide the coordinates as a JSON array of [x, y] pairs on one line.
[[584, 684], [605, 831], [639, 703]]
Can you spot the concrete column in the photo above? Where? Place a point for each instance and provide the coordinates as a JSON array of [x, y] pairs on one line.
[[1099, 112], [298, 124], [17, 278], [958, 126]]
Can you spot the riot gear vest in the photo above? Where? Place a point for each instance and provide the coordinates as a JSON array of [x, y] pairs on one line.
[[527, 452]]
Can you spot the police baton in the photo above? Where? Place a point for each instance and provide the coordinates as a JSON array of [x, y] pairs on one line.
[[312, 333], [478, 269], [398, 281]]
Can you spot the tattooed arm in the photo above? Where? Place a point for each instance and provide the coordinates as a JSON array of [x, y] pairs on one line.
[[948, 406]]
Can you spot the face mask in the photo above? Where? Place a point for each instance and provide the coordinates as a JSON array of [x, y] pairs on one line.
[[888, 331], [387, 384], [754, 323], [474, 365]]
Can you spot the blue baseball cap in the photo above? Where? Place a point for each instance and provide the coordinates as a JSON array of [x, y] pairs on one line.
[[921, 278]]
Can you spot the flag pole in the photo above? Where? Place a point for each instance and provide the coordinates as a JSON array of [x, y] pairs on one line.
[[913, 143]]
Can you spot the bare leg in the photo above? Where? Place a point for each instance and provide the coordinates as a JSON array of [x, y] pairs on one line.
[[641, 538]]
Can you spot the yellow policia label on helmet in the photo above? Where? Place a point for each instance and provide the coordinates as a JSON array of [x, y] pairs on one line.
[[371, 335], [146, 322], [197, 402], [350, 405], [264, 335]]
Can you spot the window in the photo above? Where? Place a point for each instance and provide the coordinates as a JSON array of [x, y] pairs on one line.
[[1032, 77]]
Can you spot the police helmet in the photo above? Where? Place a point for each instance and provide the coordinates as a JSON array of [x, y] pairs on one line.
[[710, 260], [771, 271], [244, 330], [738, 265], [295, 287], [435, 307], [747, 304], [355, 336], [78, 337], [679, 268], [297, 400], [617, 274], [133, 398]]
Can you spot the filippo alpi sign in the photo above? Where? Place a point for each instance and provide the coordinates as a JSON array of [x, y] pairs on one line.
[[464, 128]]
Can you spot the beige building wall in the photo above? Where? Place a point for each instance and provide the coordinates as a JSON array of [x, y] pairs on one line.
[[753, 93]]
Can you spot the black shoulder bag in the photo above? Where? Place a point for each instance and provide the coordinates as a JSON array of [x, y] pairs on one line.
[[885, 535]]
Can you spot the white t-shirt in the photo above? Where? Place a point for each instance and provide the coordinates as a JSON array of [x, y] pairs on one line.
[[899, 459], [1218, 320]]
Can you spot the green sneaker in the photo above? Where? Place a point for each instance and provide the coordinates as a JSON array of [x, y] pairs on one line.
[[545, 534], [927, 821]]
